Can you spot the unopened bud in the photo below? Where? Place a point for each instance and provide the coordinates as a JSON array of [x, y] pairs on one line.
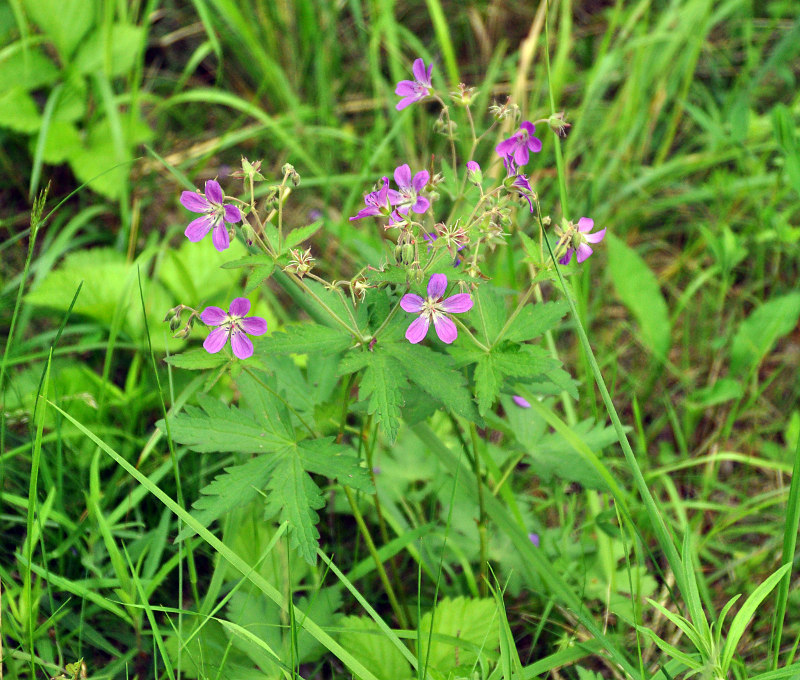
[[287, 168], [248, 234], [407, 253], [474, 173], [558, 124], [174, 323]]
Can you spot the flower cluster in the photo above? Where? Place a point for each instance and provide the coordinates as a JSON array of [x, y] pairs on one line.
[[396, 203], [406, 205]]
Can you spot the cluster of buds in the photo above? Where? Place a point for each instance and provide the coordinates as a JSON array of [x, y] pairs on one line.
[[289, 171], [453, 236], [463, 95], [250, 171], [173, 318], [507, 110], [405, 250], [445, 126], [301, 263]]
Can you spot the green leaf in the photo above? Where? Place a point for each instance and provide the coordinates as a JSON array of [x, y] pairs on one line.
[[217, 427], [18, 111], [533, 320], [725, 389], [248, 261], [639, 290], [461, 627], [748, 610], [436, 373], [63, 140], [337, 461], [64, 21], [238, 485], [488, 313], [297, 236], [28, 69], [125, 41], [388, 274], [381, 385], [295, 498], [488, 380], [306, 338], [197, 359], [364, 640], [758, 332]]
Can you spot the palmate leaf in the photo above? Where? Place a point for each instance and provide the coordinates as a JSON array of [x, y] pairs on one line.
[[305, 338], [283, 468], [437, 374], [533, 320]]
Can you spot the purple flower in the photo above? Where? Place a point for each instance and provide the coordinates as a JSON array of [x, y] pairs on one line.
[[232, 324], [415, 90], [579, 240], [379, 202], [410, 190], [523, 186], [534, 538], [520, 143], [474, 173], [519, 401], [434, 308], [215, 214]]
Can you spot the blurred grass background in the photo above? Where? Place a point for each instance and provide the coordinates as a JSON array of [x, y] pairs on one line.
[[684, 146]]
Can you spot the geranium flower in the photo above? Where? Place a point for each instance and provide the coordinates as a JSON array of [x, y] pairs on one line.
[[410, 189], [520, 401], [215, 214], [379, 202], [232, 324], [579, 239], [415, 90], [523, 186], [435, 308], [520, 143]]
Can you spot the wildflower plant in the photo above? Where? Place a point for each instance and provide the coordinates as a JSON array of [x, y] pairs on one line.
[[378, 366]]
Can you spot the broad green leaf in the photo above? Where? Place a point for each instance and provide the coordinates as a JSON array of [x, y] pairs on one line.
[[63, 140], [125, 41], [65, 22], [236, 486], [248, 261], [463, 620], [306, 338], [194, 273], [295, 498], [18, 111], [337, 461], [784, 126], [388, 274], [758, 332], [639, 290], [725, 389], [217, 427], [488, 313], [488, 380], [71, 105], [535, 319], [436, 373], [297, 236], [364, 640], [28, 69], [197, 359], [381, 385]]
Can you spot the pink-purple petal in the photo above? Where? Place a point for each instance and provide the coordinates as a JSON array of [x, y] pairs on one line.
[[402, 175], [521, 155], [583, 252], [213, 316], [535, 144], [403, 103], [428, 74], [457, 304], [216, 340], [585, 224], [419, 70], [596, 237], [412, 303], [506, 147], [195, 202], [522, 403], [232, 213], [214, 192], [420, 180], [239, 306], [437, 286], [241, 344], [220, 237], [405, 88], [417, 329], [445, 328], [529, 127], [567, 257], [198, 228], [421, 205], [254, 325]]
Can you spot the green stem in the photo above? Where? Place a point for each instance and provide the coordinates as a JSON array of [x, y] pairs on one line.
[[301, 284]]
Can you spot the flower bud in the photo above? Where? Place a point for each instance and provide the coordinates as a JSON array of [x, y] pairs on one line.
[[407, 253], [558, 125], [474, 173], [287, 169], [248, 234], [174, 322]]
